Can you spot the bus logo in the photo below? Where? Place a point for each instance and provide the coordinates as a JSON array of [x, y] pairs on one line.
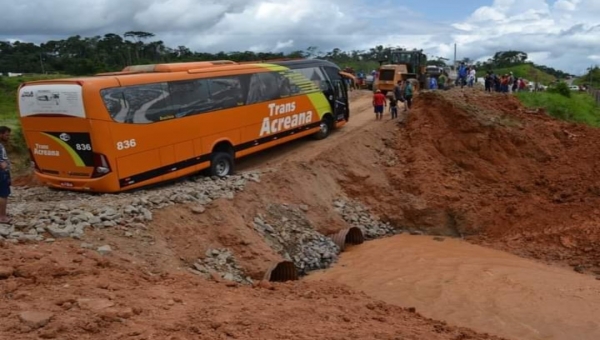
[[64, 137]]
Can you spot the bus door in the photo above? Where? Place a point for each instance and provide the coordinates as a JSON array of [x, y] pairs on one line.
[[338, 94], [340, 98]]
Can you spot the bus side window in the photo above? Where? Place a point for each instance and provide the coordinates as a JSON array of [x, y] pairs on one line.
[[149, 103], [225, 92], [115, 103], [137, 104], [313, 75], [189, 97], [263, 87], [286, 87], [332, 73]]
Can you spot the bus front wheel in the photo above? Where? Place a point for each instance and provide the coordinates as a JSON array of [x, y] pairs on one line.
[[221, 164], [325, 128]]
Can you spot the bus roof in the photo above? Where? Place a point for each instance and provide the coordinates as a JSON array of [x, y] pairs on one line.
[[298, 63], [150, 71], [176, 67]]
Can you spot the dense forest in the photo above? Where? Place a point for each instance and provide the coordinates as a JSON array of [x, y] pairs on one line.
[[78, 55]]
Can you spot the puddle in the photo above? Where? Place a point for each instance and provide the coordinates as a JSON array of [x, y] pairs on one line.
[[471, 286]]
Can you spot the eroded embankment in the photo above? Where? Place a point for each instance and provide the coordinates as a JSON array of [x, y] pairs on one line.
[[481, 166]]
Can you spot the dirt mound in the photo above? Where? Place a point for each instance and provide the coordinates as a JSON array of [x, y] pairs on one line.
[[481, 166], [61, 291]]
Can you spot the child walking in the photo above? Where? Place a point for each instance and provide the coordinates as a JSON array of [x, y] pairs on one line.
[[394, 107]]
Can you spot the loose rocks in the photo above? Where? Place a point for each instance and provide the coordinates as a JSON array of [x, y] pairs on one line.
[[223, 263], [357, 215], [291, 234], [40, 212]]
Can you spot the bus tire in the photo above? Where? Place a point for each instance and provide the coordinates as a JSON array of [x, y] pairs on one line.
[[325, 128], [221, 164]]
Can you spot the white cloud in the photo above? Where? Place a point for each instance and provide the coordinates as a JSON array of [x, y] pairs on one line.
[[560, 33]]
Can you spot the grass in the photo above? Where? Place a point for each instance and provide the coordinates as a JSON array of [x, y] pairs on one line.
[[526, 71], [580, 108]]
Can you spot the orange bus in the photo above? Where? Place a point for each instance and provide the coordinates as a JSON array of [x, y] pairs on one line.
[[151, 123]]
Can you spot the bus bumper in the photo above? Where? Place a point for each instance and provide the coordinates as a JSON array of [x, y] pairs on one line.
[[105, 184]]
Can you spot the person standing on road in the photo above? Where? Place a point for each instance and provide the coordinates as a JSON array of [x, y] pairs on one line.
[[462, 75], [442, 81], [394, 107], [379, 101], [408, 95], [4, 174]]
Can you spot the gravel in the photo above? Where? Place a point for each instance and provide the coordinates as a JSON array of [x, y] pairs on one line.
[[223, 263], [287, 230], [40, 213], [357, 215]]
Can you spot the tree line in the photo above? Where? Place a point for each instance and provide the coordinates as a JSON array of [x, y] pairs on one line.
[[77, 55], [506, 59]]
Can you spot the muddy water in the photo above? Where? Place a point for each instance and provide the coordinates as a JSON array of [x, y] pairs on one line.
[[475, 287]]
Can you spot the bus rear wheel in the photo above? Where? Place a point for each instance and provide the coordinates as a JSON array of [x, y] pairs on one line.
[[325, 128], [221, 164]]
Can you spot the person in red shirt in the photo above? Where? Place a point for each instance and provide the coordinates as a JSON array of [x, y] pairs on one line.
[[379, 103]]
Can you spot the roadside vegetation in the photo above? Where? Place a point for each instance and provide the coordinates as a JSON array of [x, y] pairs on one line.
[[572, 106]]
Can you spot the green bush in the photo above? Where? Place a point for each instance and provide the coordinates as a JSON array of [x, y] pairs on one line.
[[561, 88]]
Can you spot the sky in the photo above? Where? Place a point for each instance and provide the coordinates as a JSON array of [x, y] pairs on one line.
[[563, 34]]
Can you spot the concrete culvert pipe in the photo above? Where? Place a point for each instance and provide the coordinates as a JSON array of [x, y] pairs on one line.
[[348, 236], [282, 272]]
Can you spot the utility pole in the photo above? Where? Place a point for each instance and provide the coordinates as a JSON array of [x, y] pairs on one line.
[[454, 65]]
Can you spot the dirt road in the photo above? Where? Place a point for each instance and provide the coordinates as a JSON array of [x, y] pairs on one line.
[[305, 149]]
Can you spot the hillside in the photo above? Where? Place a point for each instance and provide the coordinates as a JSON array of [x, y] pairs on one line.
[[526, 71]]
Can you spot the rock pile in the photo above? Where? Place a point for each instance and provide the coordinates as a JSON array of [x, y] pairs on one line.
[[40, 213], [357, 215], [287, 230], [220, 262]]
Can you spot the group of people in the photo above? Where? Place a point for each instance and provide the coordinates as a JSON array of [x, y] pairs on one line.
[[505, 83], [403, 92], [467, 75]]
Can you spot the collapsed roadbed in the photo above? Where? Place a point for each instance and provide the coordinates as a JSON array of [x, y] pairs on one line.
[[203, 258]]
